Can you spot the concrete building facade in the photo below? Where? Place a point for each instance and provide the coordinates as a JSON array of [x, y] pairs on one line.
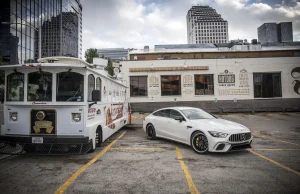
[[272, 32], [237, 83], [205, 25]]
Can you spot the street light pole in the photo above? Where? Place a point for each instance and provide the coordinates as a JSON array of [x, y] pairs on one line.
[[39, 31]]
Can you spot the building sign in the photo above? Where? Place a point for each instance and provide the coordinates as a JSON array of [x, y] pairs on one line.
[[226, 78], [187, 83], [243, 78], [228, 92], [296, 75], [180, 68], [153, 85]]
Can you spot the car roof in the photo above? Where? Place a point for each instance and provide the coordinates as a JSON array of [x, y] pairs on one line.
[[178, 108]]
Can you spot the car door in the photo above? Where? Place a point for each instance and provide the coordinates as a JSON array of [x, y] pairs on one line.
[[176, 129], [160, 120]]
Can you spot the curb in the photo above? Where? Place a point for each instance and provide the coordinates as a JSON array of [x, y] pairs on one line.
[[133, 126]]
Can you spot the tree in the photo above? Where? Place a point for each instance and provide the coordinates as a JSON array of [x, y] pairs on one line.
[[109, 68], [90, 54]]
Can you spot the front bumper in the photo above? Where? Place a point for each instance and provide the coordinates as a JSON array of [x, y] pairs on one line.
[[52, 145], [227, 146]]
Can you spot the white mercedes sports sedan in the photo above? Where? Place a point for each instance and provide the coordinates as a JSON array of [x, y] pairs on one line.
[[197, 128]]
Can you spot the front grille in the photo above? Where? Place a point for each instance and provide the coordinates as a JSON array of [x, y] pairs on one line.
[[240, 137]]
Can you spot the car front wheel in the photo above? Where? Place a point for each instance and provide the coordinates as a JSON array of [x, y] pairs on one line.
[[199, 143], [150, 132]]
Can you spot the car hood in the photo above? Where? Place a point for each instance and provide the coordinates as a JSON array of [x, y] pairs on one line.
[[220, 125]]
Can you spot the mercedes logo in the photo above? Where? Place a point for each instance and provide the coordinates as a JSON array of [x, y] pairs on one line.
[[243, 137]]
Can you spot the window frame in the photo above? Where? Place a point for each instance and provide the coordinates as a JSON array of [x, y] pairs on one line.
[[213, 84], [146, 88], [179, 84], [100, 87], [57, 86], [89, 96], [7, 91], [260, 83], [51, 99]]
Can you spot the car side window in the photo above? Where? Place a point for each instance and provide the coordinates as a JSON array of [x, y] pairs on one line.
[[158, 113], [166, 113], [162, 113], [175, 113]]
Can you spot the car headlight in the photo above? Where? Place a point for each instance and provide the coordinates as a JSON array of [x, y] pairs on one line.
[[14, 116], [76, 117], [218, 134]]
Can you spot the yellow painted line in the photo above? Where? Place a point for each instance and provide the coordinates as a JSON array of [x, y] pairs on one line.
[[63, 187], [139, 149], [277, 140], [193, 189], [275, 149], [274, 162]]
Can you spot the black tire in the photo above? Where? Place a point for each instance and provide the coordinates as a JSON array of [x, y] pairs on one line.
[[98, 137], [150, 130], [199, 143], [92, 149]]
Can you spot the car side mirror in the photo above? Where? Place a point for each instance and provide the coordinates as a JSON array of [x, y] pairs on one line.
[[96, 95], [1, 95], [179, 118]]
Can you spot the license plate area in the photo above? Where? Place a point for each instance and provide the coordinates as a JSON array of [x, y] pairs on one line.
[[37, 140]]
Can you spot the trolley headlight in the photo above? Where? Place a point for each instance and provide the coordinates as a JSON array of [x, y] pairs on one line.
[[218, 134], [76, 117], [14, 116]]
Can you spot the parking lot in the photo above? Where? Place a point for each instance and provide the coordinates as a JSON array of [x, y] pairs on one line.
[[130, 163]]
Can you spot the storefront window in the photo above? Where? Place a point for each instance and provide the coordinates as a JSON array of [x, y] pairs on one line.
[[267, 85], [204, 84], [70, 87], [39, 86], [170, 85], [138, 86], [15, 87], [91, 86]]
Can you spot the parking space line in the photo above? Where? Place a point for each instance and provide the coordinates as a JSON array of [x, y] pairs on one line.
[[63, 187], [274, 149], [278, 140], [274, 162], [193, 189], [139, 149]]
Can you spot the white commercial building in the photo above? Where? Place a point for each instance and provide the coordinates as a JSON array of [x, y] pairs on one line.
[[253, 80], [205, 25]]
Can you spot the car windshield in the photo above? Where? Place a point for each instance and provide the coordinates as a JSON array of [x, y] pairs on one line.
[[69, 87], [194, 114]]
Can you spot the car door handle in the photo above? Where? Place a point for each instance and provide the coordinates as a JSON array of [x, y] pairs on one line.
[[189, 127]]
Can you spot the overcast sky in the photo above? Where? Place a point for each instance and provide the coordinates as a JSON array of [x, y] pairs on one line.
[[136, 23]]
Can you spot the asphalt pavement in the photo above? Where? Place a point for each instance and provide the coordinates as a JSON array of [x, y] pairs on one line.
[[130, 163]]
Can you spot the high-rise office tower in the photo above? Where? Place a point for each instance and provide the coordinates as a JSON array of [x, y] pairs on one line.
[[205, 25], [272, 32], [30, 29]]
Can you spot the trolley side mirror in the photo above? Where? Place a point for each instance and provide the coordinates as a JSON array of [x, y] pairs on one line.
[[96, 95], [1, 95]]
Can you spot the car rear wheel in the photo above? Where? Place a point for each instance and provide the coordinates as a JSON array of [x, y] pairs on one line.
[[199, 143], [150, 132]]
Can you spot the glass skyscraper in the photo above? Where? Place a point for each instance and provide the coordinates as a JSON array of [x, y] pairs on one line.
[[30, 29]]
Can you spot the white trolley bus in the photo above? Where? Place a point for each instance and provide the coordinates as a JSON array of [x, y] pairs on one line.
[[61, 104]]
